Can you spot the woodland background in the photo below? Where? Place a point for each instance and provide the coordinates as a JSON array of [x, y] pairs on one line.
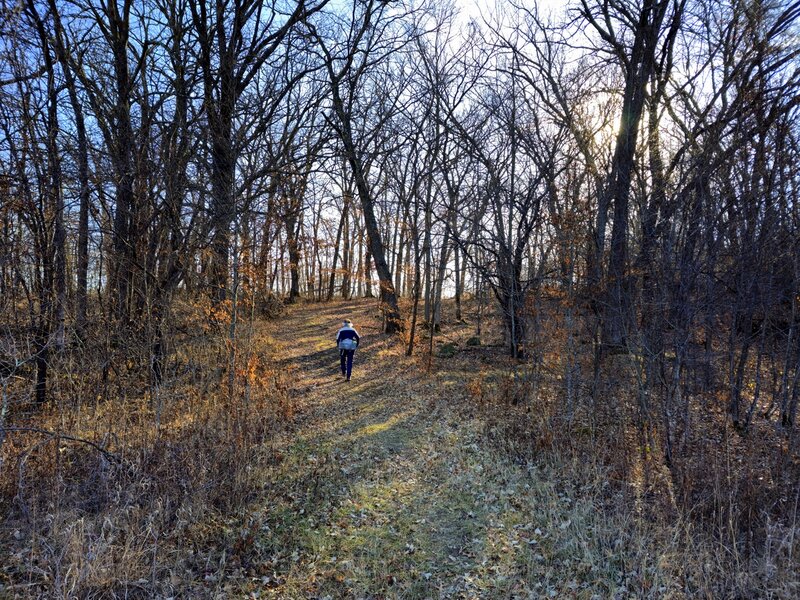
[[613, 185]]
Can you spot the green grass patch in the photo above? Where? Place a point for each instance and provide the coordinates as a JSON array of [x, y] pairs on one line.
[[447, 350]]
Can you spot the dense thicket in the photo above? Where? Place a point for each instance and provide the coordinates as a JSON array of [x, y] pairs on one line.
[[636, 161]]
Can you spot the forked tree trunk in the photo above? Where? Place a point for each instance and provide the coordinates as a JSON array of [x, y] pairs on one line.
[[394, 322]]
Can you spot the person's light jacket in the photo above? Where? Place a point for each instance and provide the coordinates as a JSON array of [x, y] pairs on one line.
[[347, 333]]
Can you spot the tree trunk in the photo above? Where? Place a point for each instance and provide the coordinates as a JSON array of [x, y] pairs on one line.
[[83, 172], [53, 283], [293, 221], [122, 159], [367, 271], [426, 251], [388, 297], [439, 282], [347, 258], [358, 236], [223, 166], [347, 194], [639, 66], [457, 276], [417, 285]]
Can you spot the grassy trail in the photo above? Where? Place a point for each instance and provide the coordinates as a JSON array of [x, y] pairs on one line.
[[384, 492]]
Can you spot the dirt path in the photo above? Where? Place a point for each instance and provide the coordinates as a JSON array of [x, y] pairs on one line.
[[385, 493]]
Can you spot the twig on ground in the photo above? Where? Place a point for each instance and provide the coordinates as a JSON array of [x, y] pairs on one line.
[[62, 436]]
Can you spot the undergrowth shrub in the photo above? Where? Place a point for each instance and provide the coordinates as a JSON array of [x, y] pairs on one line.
[[269, 306], [114, 487], [725, 511]]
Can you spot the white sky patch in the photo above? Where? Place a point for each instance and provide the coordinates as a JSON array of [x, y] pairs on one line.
[[482, 10]]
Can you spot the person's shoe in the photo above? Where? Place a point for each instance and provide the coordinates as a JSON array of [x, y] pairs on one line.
[[348, 379]]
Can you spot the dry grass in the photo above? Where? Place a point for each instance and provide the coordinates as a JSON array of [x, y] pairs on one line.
[[722, 521], [144, 511], [471, 480]]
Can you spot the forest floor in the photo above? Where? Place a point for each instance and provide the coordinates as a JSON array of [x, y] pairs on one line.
[[388, 487], [452, 474]]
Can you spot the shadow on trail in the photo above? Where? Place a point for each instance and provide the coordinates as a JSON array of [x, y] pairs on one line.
[[322, 359], [383, 514], [380, 498]]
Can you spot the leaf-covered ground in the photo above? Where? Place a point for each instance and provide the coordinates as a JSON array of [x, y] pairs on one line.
[[384, 490]]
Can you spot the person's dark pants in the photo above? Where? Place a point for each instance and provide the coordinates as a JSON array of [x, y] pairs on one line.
[[346, 361]]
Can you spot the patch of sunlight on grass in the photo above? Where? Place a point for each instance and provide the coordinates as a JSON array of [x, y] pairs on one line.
[[323, 344], [376, 428], [386, 352], [342, 428]]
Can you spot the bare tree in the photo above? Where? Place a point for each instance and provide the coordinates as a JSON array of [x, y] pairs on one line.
[[361, 62], [235, 42]]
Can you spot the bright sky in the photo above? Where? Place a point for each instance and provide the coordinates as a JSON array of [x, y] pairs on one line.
[[475, 9]]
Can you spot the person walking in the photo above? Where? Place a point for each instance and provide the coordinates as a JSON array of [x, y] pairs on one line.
[[347, 341]]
